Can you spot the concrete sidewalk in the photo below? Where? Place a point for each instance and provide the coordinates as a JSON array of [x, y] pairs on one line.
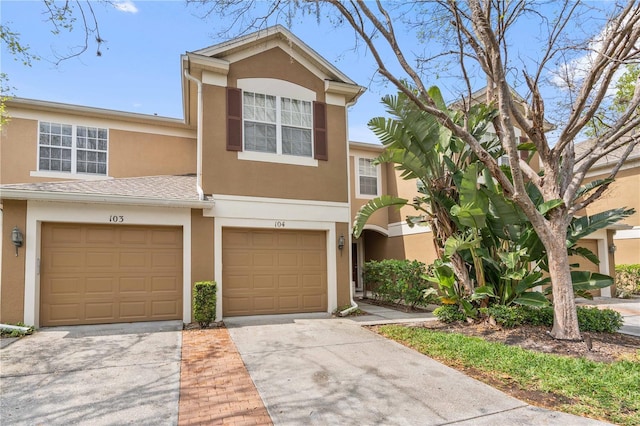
[[311, 369]]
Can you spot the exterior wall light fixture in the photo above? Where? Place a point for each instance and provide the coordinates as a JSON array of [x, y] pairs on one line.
[[612, 248], [17, 238], [341, 242]]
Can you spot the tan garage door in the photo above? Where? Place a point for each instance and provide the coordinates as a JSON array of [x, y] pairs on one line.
[[98, 274], [273, 272]]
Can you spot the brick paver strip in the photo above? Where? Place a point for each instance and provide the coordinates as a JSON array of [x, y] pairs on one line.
[[215, 387]]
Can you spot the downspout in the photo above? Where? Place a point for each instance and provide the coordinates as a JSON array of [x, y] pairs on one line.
[[354, 305], [198, 137]]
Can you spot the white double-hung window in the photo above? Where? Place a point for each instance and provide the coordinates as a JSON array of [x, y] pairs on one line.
[[277, 125], [368, 173], [72, 149]]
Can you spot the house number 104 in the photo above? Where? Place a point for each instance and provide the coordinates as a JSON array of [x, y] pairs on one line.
[[280, 224]]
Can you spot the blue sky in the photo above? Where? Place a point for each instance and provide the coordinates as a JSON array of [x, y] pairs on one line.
[[139, 70]]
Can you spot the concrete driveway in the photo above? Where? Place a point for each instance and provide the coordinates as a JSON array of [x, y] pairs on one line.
[[314, 370], [111, 374]]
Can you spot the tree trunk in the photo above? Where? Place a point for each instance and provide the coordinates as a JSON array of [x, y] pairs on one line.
[[565, 318]]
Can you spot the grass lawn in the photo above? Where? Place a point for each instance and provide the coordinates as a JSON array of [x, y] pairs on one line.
[[606, 391]]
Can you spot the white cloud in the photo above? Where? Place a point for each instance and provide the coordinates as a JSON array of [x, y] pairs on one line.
[[126, 6]]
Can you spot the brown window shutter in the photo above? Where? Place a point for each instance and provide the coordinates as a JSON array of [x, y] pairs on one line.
[[320, 145], [234, 119]]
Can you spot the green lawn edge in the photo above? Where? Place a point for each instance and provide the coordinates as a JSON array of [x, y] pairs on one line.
[[606, 391]]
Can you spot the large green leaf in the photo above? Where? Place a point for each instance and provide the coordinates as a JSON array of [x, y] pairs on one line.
[[532, 298], [547, 206], [586, 280], [591, 186], [458, 243], [582, 226], [373, 206]]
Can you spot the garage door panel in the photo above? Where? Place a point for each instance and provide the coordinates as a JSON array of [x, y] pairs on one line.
[[70, 286], [132, 259], [164, 284], [288, 282], [289, 303], [264, 271], [100, 311], [64, 313], [132, 284], [159, 238], [262, 239], [288, 240], [235, 259], [164, 308], [312, 301], [313, 281], [261, 282], [161, 260], [99, 236], [99, 287], [315, 259], [288, 259], [133, 237], [65, 260], [64, 235], [95, 274], [313, 241], [263, 259]]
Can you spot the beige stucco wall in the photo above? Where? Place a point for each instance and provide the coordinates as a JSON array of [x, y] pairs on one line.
[[134, 154], [624, 192], [343, 273], [202, 238], [131, 153], [224, 174], [14, 213], [381, 217]]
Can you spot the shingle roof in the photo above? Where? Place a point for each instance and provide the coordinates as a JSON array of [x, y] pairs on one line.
[[609, 159], [161, 188]]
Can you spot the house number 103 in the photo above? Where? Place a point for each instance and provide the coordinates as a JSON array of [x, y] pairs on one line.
[[116, 219]]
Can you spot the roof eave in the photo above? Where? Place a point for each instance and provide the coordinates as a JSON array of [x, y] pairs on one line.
[[71, 197]]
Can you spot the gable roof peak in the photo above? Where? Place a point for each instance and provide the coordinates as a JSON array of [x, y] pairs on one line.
[[267, 38]]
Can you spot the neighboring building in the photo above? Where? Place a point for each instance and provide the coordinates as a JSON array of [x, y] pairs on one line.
[[624, 192], [121, 213], [387, 235]]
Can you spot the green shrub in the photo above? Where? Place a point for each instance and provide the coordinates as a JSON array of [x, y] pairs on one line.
[[449, 313], [627, 280], [506, 316], [537, 316], [398, 281], [6, 332], [204, 302], [590, 319], [599, 320]]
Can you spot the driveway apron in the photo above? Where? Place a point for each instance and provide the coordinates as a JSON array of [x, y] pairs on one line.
[[98, 375], [321, 371]]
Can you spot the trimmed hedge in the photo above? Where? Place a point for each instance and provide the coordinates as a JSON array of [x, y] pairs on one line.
[[204, 302], [590, 319], [627, 280], [398, 281]]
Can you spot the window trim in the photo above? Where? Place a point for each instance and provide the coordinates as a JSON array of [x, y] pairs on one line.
[[280, 89], [73, 173], [357, 175]]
